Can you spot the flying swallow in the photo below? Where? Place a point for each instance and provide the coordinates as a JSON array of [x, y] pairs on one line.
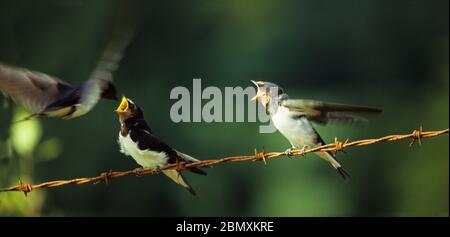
[[48, 96]]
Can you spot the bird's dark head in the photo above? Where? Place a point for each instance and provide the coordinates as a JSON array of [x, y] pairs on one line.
[[266, 91], [128, 109], [109, 91]]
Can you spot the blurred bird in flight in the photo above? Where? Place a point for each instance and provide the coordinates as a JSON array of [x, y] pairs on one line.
[[47, 96]]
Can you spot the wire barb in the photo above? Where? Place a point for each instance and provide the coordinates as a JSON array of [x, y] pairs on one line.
[[104, 177], [260, 156], [416, 135], [25, 188], [339, 146]]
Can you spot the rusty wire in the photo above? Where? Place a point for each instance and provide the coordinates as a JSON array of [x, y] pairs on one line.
[[416, 135]]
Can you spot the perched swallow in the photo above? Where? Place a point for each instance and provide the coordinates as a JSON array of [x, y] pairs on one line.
[[48, 96], [137, 140], [293, 117]]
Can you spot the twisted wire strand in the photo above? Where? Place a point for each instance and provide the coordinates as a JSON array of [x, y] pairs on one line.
[[416, 136]]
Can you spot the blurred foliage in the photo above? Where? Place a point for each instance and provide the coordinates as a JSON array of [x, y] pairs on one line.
[[19, 149], [388, 54]]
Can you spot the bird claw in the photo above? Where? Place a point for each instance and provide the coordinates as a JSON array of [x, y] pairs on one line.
[[138, 171], [157, 170], [302, 151], [289, 152]]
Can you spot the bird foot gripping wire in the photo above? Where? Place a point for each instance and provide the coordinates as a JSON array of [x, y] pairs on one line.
[[138, 172], [416, 136], [143, 171], [302, 151], [289, 152]]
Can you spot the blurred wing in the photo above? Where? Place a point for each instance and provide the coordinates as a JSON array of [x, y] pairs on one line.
[[123, 32], [109, 60], [323, 113], [99, 85], [33, 90]]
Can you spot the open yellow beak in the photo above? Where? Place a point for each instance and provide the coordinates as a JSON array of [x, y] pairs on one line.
[[123, 105], [255, 98]]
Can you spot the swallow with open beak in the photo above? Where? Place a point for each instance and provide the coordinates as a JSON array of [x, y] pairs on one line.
[[138, 141], [48, 96], [293, 117]]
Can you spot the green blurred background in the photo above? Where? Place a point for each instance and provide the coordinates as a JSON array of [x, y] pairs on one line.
[[387, 54]]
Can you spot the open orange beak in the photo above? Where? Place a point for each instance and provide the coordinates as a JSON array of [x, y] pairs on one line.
[[123, 105]]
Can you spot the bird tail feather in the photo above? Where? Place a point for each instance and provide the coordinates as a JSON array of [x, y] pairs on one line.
[[178, 178], [330, 158]]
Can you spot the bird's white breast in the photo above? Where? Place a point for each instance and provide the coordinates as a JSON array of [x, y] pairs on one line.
[[297, 130], [145, 158]]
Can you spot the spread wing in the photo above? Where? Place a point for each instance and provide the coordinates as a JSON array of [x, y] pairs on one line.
[[36, 90], [33, 90], [113, 54], [321, 112], [124, 30]]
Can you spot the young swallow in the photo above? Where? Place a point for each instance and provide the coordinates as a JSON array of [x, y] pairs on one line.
[[48, 96], [137, 140], [293, 117]]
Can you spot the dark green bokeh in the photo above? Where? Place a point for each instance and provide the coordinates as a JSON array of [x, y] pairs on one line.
[[388, 54]]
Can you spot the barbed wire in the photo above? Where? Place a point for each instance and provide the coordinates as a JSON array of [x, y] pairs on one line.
[[416, 136]]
